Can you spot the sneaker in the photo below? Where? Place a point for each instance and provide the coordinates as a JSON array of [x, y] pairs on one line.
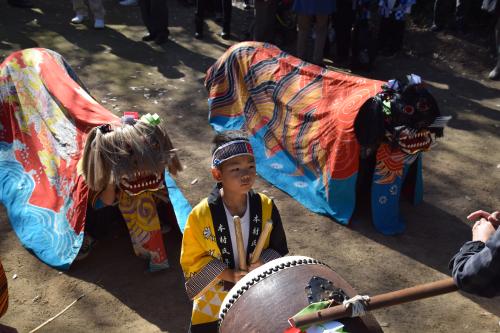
[[226, 35], [148, 38], [129, 3], [494, 74], [99, 24], [87, 244], [78, 19], [436, 28]]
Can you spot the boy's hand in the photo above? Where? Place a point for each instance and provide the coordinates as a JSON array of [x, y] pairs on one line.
[[232, 275], [482, 230], [259, 263], [238, 275]]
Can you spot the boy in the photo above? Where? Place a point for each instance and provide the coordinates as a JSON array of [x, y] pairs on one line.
[[209, 255]]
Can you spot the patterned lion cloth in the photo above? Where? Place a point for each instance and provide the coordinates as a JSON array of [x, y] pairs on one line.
[[45, 115], [301, 121]]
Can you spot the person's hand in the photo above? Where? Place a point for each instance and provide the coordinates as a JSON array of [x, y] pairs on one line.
[[238, 275], [232, 275], [259, 263], [482, 230], [493, 218]]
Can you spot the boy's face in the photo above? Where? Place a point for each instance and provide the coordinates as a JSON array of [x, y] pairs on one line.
[[236, 174]]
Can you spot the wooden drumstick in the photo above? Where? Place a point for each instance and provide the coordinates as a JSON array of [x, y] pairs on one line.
[[376, 302], [262, 240], [239, 243]]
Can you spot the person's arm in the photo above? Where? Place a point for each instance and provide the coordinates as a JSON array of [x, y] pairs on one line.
[[201, 270], [476, 267]]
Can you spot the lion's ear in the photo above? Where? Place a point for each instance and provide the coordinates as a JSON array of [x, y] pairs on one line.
[[96, 171], [174, 164], [369, 125]]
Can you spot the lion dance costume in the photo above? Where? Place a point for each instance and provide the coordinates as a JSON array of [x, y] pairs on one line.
[[59, 148], [314, 131]]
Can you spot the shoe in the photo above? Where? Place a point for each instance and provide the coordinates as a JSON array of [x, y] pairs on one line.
[[87, 245], [129, 3], [495, 73], [225, 35], [148, 38], [435, 28], [99, 24], [78, 19], [21, 3], [161, 39]]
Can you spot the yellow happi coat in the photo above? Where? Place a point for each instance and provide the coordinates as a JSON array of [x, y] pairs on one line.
[[207, 250]]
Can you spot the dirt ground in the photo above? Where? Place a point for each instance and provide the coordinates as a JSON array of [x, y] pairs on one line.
[[461, 174]]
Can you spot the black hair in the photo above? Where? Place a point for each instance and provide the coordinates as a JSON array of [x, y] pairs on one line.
[[227, 136]]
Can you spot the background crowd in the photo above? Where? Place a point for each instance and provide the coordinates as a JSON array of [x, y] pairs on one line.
[[360, 29]]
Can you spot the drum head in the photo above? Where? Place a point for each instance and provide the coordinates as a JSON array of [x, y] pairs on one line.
[[266, 297]]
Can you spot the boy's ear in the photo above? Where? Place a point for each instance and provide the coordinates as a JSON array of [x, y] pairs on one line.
[[217, 174]]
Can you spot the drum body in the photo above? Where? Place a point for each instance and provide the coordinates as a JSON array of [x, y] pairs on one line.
[[266, 297]]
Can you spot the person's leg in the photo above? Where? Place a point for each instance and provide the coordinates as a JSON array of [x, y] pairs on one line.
[[342, 21], [145, 6], [437, 19], [80, 9], [398, 28], [461, 8], [321, 29], [304, 24], [495, 73], [199, 17], [227, 9], [97, 9], [265, 13], [159, 20], [384, 34]]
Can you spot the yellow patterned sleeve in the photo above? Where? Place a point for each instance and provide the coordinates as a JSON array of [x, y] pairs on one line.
[[195, 248]]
